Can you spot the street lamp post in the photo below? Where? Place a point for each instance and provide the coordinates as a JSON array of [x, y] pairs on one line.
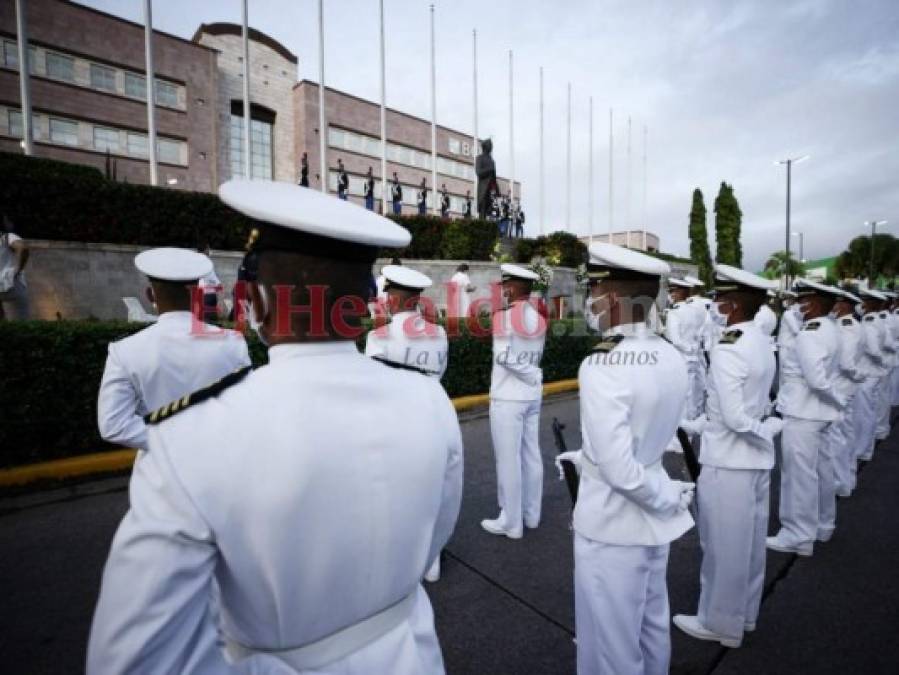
[[873, 224], [801, 248], [789, 162]]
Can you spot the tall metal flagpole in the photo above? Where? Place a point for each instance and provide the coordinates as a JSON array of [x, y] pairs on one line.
[[590, 173], [644, 187], [542, 193], [25, 77], [511, 132], [611, 176], [474, 137], [628, 223], [384, 190], [434, 205], [151, 99], [568, 167], [322, 128], [247, 149]]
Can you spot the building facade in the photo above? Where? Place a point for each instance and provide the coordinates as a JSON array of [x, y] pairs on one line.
[[638, 239], [88, 92]]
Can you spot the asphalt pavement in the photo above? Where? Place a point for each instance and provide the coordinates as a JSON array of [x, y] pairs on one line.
[[502, 606]]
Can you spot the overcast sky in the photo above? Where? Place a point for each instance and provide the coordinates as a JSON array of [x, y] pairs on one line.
[[724, 88]]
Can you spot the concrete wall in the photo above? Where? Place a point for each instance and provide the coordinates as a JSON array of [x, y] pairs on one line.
[[80, 281]]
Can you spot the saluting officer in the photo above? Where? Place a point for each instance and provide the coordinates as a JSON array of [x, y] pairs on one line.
[[317, 533], [516, 390], [175, 356], [737, 456], [809, 400], [633, 393]]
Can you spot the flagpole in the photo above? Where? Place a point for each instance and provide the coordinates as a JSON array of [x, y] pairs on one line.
[[628, 224], [247, 155], [611, 176], [645, 132], [25, 77], [568, 166], [590, 173], [474, 137], [322, 128], [433, 119], [542, 172], [384, 189], [511, 133], [151, 102]]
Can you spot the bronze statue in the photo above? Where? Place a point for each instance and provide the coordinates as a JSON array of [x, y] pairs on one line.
[[485, 168]]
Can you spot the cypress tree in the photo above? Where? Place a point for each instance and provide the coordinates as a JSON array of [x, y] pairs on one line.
[[728, 219], [699, 239]]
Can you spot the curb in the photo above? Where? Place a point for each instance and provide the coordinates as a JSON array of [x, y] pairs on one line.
[[121, 460]]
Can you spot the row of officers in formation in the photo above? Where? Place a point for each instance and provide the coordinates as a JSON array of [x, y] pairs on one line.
[[282, 519]]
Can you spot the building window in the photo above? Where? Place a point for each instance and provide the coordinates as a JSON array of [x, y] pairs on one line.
[[60, 67], [102, 78], [136, 86], [63, 131], [260, 146], [15, 124], [106, 140], [168, 152], [10, 54], [137, 145], [166, 94]]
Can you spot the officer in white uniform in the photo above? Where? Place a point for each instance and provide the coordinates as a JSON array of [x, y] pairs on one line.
[[841, 438], [889, 347], [516, 390], [809, 400], [633, 393], [894, 318], [315, 519], [409, 339], [683, 324], [704, 323], [737, 457], [175, 356], [873, 366]]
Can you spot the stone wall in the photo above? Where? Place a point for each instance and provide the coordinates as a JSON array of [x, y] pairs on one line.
[[79, 281]]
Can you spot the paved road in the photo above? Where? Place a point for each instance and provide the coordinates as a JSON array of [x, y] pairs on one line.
[[504, 607]]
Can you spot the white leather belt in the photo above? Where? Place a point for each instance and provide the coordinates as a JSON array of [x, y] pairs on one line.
[[591, 468], [337, 645]]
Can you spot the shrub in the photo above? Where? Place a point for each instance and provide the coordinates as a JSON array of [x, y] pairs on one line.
[[52, 372], [558, 249]]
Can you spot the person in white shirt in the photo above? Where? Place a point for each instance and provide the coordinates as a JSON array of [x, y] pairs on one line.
[[890, 349], [313, 492], [460, 299], [873, 366], [633, 390], [14, 253], [169, 359], [516, 390], [736, 457], [683, 322], [810, 399], [894, 318]]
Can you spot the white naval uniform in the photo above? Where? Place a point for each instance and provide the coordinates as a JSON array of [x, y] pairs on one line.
[[683, 323], [411, 340], [894, 318], [841, 437], [308, 526], [732, 492], [809, 400], [790, 325], [516, 390], [463, 296], [885, 395], [873, 366], [628, 509], [157, 365]]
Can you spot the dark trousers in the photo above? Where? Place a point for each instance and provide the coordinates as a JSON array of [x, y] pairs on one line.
[[370, 202], [397, 207]]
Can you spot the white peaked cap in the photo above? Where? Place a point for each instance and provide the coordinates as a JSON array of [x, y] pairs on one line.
[[610, 255], [406, 277], [871, 293], [173, 264], [805, 285], [306, 210], [851, 296], [683, 283], [518, 272], [693, 280], [735, 275]]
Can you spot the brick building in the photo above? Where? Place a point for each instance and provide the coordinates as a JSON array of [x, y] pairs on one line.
[[88, 95]]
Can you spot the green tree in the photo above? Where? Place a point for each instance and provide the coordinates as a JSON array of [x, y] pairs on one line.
[[855, 261], [728, 221], [699, 239], [778, 263]]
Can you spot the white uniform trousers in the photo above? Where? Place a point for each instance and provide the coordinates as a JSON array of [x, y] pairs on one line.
[[895, 395], [827, 480], [519, 466], [800, 442], [842, 441], [884, 400], [733, 522], [866, 418], [622, 617]]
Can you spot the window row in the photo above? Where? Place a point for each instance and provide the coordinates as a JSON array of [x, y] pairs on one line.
[[261, 151], [410, 192], [400, 154], [85, 73], [90, 136]]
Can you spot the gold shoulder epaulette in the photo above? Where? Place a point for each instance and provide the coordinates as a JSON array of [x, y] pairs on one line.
[[608, 344], [730, 337], [812, 325], [847, 321], [869, 317], [183, 403]]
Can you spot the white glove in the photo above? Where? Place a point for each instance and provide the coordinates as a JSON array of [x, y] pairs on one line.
[[771, 426], [674, 496], [695, 426], [687, 492], [573, 456]]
